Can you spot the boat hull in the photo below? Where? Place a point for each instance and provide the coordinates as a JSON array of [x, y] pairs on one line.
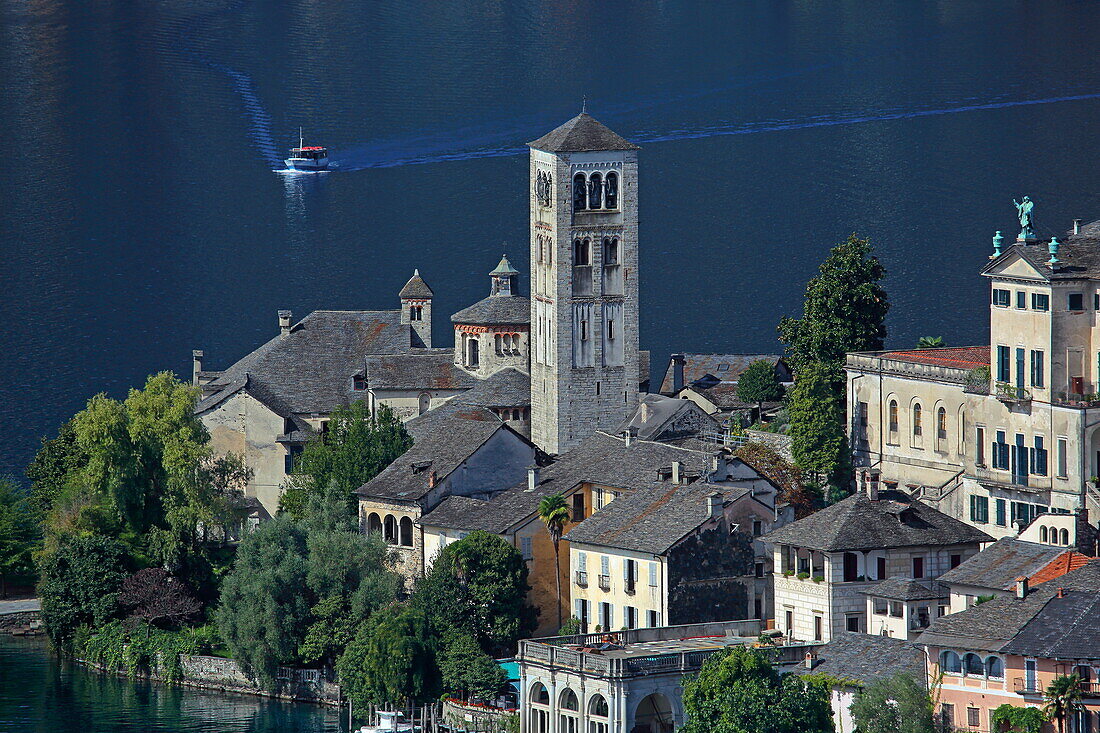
[[306, 164]]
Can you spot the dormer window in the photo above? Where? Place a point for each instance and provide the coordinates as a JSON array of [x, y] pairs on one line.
[[358, 383]]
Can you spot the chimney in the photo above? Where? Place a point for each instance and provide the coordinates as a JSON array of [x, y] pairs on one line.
[[870, 484], [1021, 586], [1076, 226], [809, 660], [196, 366], [718, 466], [1061, 592], [629, 434], [532, 477], [677, 472], [431, 480], [714, 504], [677, 372], [284, 322]]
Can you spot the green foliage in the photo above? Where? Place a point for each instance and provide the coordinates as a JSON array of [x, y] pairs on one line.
[[78, 584], [467, 669], [897, 704], [391, 660], [818, 441], [554, 513], [355, 449], [845, 310], [1012, 719], [55, 462], [143, 649], [930, 342], [332, 629], [1063, 698], [18, 532], [479, 585], [738, 691], [571, 627], [759, 384]]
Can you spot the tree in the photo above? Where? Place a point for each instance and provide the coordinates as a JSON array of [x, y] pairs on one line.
[[18, 532], [478, 585], [845, 310], [554, 513], [930, 342], [1063, 699], [818, 442], [738, 691], [155, 597], [467, 669], [391, 660], [79, 583], [354, 449], [1017, 720], [896, 704], [55, 462], [781, 472], [759, 384]]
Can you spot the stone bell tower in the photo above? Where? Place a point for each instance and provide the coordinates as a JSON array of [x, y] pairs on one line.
[[584, 282]]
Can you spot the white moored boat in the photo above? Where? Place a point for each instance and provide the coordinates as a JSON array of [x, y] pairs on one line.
[[388, 722]]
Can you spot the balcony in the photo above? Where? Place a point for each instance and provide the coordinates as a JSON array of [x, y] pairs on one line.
[[1022, 686], [1078, 393], [1012, 395], [582, 579], [605, 582]]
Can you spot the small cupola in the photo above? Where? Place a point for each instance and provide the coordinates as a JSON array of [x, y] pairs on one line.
[[503, 278]]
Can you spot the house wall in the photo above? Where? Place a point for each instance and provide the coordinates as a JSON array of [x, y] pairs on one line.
[[711, 576], [408, 559], [406, 402], [645, 597], [245, 426]]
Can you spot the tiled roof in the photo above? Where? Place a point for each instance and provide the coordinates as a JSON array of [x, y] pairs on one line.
[[902, 589], [1079, 255], [417, 369], [858, 523], [416, 288], [501, 310], [503, 388], [1066, 562], [309, 369], [1065, 628], [959, 357], [999, 564], [652, 519], [581, 134], [657, 415], [865, 658], [723, 367]]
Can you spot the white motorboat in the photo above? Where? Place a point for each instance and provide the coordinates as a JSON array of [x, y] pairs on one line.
[[303, 158], [389, 722]]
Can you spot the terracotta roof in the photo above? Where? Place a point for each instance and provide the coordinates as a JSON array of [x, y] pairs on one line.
[[581, 134], [1066, 562], [960, 357]]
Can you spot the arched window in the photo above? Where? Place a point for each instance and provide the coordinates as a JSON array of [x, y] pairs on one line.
[[995, 668], [916, 419], [472, 358], [539, 694], [941, 424], [892, 413], [950, 662], [580, 193], [1043, 533], [499, 341], [580, 252], [569, 720], [540, 709], [595, 191], [973, 665], [611, 250], [405, 538], [1064, 536], [389, 529], [424, 402], [597, 714], [374, 524], [611, 198]]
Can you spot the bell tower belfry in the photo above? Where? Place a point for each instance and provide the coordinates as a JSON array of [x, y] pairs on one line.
[[584, 282]]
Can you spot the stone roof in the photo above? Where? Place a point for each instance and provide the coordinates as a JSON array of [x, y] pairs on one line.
[[508, 387], [581, 134], [652, 519], [1079, 255], [715, 368], [893, 520], [999, 564], [1065, 628], [902, 589], [310, 369], [504, 310], [866, 658], [443, 439], [659, 417], [417, 369], [960, 357], [416, 288]]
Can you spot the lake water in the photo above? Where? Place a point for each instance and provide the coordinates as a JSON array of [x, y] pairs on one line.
[[40, 694], [140, 217]]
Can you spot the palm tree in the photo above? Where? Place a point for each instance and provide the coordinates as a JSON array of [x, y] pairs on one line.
[[930, 342], [554, 513], [1063, 697]]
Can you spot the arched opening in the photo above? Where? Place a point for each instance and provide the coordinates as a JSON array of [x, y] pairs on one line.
[[653, 715], [580, 193], [389, 529], [973, 665], [892, 416], [995, 668], [941, 424], [405, 532], [950, 662], [611, 197], [1043, 537], [595, 191], [472, 358], [539, 721], [374, 524], [597, 714], [917, 428], [425, 403], [569, 712], [580, 252], [1063, 536], [851, 567]]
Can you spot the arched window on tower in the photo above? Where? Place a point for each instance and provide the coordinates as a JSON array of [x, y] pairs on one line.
[[580, 193], [595, 191], [580, 252], [611, 198]]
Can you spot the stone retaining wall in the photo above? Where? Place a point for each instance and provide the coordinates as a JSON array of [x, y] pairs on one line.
[[10, 621]]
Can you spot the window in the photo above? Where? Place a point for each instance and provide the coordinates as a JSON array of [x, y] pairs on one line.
[[405, 532], [1075, 302], [1002, 519], [607, 616], [568, 716], [896, 609], [1043, 536], [597, 714], [581, 252], [1062, 457], [979, 510], [630, 575], [1040, 302], [973, 665], [1001, 297], [1096, 301], [979, 446], [584, 330], [916, 419], [918, 567], [818, 629], [863, 416], [595, 191], [653, 574], [1021, 300], [525, 548], [582, 561], [630, 617], [759, 571], [880, 568], [611, 251], [1000, 451], [757, 527], [956, 561], [582, 613], [610, 329], [580, 193], [1002, 364], [941, 424], [1036, 368], [852, 623], [605, 565], [611, 192], [950, 662], [652, 618], [1039, 457], [1064, 536], [879, 606], [892, 414], [973, 717]]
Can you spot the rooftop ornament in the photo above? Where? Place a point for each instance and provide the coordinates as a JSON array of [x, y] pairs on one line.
[[1053, 249], [1024, 213], [998, 242]]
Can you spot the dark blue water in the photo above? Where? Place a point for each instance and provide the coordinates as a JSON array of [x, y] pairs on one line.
[[140, 217], [38, 694]]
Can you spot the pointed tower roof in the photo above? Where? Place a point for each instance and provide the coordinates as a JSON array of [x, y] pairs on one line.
[[504, 267], [583, 133], [416, 287]]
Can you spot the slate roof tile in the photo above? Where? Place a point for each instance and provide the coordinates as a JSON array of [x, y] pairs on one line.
[[416, 288], [501, 310], [507, 387], [581, 134], [417, 369], [999, 564], [723, 367], [866, 658]]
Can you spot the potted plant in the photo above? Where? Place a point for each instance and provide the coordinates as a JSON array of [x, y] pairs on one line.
[[819, 578], [803, 575]]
